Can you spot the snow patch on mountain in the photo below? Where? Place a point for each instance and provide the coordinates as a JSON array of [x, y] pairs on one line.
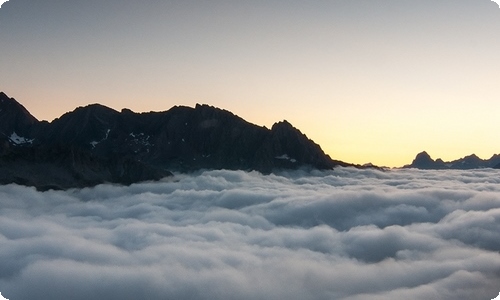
[[19, 140], [286, 157], [95, 143]]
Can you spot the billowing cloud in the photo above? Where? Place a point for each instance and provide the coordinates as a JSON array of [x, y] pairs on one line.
[[343, 234]]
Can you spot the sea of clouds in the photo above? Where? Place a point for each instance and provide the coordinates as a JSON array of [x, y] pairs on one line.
[[342, 234]]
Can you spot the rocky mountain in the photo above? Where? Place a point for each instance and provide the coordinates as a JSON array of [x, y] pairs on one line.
[[95, 144], [424, 161], [14, 117]]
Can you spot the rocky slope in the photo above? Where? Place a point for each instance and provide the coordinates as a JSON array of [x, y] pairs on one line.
[[95, 144]]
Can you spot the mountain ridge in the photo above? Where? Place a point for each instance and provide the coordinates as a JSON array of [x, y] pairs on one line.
[[96, 144], [424, 161]]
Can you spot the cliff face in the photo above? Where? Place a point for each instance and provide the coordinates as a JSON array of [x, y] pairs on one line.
[[95, 144]]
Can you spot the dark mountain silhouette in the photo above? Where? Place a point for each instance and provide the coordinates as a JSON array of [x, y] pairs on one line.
[[62, 167], [14, 117], [424, 161], [95, 144]]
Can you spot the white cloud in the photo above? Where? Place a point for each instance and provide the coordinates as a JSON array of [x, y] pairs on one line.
[[342, 234], [2, 2], [2, 298], [497, 2], [497, 297]]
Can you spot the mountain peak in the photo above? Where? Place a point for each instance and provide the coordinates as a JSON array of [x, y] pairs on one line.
[[15, 117], [10, 103], [423, 156], [95, 108], [282, 124], [472, 156], [83, 114], [424, 161]]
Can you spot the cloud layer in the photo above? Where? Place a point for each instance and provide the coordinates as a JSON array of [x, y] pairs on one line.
[[344, 234]]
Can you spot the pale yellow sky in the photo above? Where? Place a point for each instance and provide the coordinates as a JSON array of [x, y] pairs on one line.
[[370, 81]]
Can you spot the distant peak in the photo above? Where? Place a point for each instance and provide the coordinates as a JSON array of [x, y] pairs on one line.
[[472, 156], [423, 153], [423, 157]]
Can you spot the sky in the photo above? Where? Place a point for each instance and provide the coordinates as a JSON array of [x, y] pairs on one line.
[[344, 234], [370, 81]]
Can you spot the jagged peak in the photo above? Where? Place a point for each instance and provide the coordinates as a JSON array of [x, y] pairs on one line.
[[282, 125], [202, 106], [6, 100], [11, 106], [211, 108], [205, 108], [423, 154], [422, 157]]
